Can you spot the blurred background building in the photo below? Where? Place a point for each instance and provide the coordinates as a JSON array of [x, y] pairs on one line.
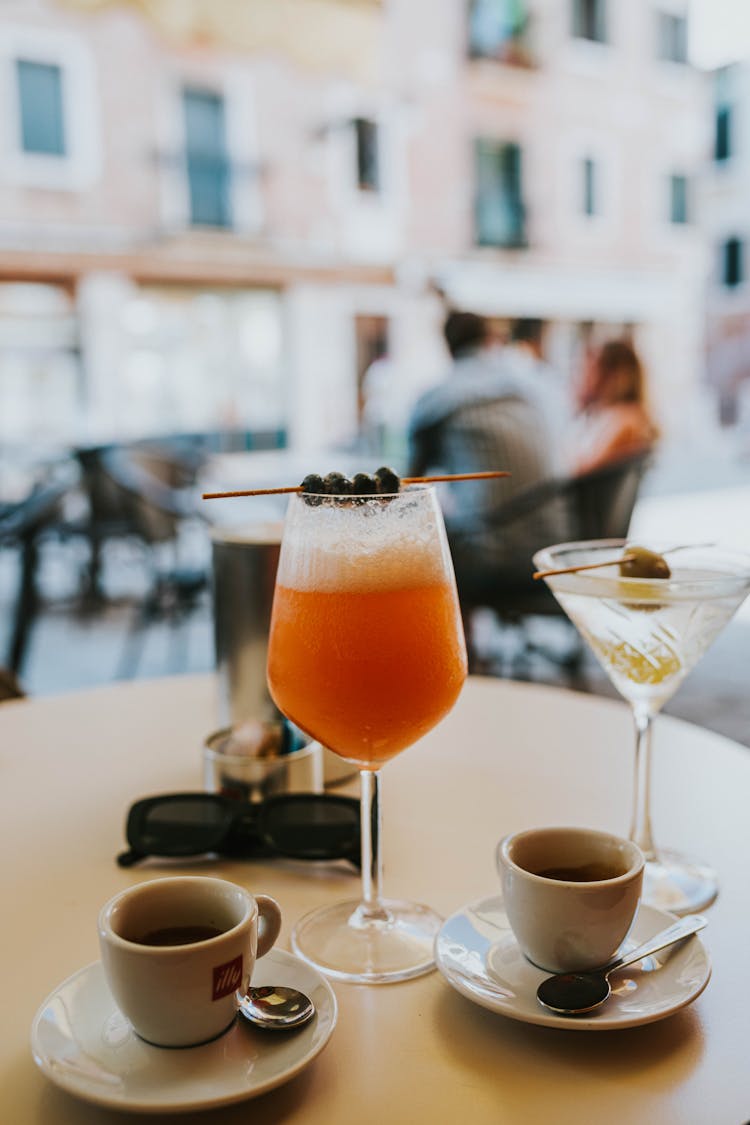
[[217, 215], [242, 221], [727, 225]]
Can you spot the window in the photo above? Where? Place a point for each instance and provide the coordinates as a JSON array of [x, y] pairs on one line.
[[723, 117], [678, 199], [368, 155], [589, 20], [723, 138], [499, 210], [497, 29], [589, 200], [40, 99], [672, 37], [733, 272], [49, 109], [206, 159]]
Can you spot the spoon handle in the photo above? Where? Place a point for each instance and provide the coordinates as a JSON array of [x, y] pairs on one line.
[[683, 928]]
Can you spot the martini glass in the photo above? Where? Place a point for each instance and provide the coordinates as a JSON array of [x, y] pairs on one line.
[[366, 654], [648, 634]]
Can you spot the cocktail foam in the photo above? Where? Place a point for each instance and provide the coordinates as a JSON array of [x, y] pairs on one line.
[[371, 546]]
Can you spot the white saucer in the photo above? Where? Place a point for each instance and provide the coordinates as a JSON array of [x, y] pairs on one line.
[[478, 955], [84, 1044]]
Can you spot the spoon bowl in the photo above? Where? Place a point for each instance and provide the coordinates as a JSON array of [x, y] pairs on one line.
[[276, 1007], [577, 994]]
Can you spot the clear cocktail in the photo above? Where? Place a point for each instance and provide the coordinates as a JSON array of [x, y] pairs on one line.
[[648, 634]]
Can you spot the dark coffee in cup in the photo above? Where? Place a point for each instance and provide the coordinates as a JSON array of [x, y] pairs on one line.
[[179, 935], [581, 873]]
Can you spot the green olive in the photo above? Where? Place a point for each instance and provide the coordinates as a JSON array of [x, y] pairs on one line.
[[644, 564]]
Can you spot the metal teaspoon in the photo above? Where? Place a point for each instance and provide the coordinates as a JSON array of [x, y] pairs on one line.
[[573, 994], [276, 1007]]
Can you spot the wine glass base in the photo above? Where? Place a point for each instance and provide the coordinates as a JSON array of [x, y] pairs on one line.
[[680, 885], [344, 944]]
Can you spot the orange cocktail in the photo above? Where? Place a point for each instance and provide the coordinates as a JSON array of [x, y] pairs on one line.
[[366, 654], [367, 671]]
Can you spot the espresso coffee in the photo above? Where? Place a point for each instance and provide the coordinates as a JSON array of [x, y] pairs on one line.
[[585, 873], [179, 935]]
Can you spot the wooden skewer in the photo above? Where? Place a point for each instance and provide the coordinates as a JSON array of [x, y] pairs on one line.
[[298, 487], [455, 476], [251, 492], [585, 566]]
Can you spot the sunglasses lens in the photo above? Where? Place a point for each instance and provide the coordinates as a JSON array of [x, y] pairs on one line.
[[180, 826], [326, 828]]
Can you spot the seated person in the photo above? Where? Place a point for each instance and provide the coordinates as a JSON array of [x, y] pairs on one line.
[[525, 356], [615, 422], [482, 417]]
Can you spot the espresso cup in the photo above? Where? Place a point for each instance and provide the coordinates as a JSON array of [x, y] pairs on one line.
[[177, 951], [570, 894]]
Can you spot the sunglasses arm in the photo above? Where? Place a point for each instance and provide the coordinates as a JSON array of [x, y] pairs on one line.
[[129, 858]]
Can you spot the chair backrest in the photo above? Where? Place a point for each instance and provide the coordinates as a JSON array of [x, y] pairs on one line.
[[154, 507], [602, 501], [41, 509], [108, 512], [595, 505]]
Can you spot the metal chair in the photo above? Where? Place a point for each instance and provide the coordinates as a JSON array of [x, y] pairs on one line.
[[137, 493], [595, 505], [23, 526], [155, 506]]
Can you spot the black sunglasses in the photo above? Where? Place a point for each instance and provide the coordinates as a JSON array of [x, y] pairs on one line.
[[315, 826]]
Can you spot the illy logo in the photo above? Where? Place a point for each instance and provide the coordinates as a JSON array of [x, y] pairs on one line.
[[227, 978]]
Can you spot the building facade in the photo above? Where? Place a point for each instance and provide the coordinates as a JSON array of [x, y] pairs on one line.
[[221, 223], [726, 220]]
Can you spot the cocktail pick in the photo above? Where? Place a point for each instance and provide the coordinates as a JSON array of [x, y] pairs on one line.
[[404, 480], [584, 566], [614, 562]]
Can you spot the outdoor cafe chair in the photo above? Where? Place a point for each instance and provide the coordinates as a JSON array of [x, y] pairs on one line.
[[595, 505]]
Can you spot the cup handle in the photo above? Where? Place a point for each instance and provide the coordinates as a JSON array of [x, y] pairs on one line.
[[269, 923]]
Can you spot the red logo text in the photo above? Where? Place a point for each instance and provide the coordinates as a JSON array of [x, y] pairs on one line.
[[227, 978]]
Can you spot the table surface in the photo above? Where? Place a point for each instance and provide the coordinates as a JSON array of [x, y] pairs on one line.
[[508, 756]]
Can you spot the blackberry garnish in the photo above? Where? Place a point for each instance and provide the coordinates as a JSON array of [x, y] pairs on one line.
[[336, 484], [313, 482], [388, 480], [364, 485]]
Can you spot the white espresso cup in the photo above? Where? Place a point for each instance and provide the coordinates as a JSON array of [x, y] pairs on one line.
[[176, 952], [570, 894]]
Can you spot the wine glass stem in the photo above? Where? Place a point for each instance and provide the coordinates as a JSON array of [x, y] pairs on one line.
[[371, 908], [640, 831]]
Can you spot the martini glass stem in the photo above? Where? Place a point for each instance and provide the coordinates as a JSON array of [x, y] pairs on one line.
[[371, 909], [640, 831]]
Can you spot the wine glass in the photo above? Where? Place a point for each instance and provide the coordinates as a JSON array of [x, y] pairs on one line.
[[648, 634], [366, 654]]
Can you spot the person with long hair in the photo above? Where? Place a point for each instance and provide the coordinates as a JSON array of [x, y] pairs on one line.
[[616, 420]]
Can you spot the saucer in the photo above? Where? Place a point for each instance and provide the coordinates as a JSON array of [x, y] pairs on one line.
[[84, 1044], [478, 955]]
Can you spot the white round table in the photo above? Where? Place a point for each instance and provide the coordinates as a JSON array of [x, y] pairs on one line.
[[509, 755]]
